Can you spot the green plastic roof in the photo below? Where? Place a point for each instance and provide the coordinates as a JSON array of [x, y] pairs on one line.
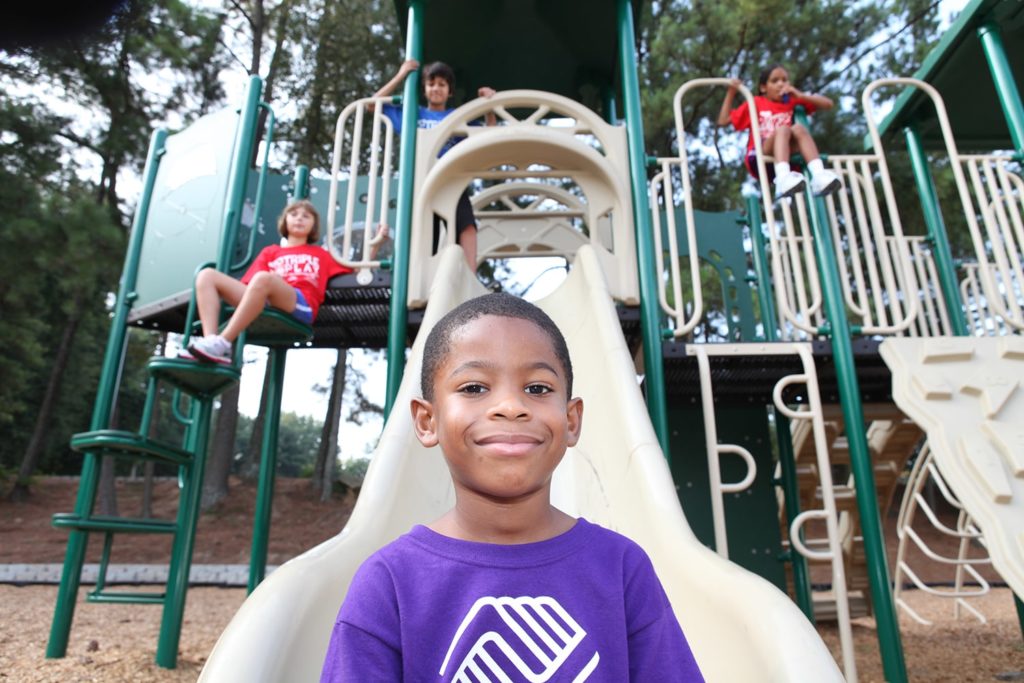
[[569, 47], [958, 69]]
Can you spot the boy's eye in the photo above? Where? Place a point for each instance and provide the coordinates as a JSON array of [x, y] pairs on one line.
[[472, 389], [538, 389]]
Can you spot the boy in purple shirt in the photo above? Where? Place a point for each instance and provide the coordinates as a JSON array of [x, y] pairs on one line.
[[504, 586]]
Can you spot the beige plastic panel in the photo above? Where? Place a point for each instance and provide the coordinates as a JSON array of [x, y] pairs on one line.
[[591, 152], [966, 393], [741, 627]]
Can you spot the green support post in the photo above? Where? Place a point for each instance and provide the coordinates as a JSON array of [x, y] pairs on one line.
[[103, 407], [181, 551], [889, 641], [765, 294], [398, 320], [936, 231], [268, 466], [1004, 81], [654, 371], [787, 463], [301, 181], [245, 137]]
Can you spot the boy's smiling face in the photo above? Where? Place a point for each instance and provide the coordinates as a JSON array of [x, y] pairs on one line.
[[500, 409], [437, 91]]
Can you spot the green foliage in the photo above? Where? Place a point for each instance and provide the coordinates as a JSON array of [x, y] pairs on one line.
[[353, 470], [298, 438]]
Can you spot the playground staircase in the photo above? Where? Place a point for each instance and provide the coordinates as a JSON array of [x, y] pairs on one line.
[[892, 439], [198, 384]]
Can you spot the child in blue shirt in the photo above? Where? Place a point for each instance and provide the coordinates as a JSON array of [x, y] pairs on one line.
[[438, 86]]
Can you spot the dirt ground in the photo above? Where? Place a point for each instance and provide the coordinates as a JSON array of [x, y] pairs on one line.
[[118, 642]]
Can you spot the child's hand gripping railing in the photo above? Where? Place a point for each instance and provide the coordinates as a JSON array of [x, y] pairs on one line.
[[923, 471], [998, 198], [378, 155], [798, 293]]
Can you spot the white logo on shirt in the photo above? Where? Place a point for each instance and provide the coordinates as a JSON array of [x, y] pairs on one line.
[[768, 121], [533, 637]]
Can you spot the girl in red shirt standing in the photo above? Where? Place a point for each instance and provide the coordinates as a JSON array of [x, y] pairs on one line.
[[775, 102], [292, 278]]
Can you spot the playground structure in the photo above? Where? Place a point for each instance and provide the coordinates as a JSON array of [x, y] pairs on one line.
[[832, 277]]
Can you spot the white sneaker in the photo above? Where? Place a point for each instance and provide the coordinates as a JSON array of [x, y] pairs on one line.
[[212, 348], [788, 184], [825, 183]]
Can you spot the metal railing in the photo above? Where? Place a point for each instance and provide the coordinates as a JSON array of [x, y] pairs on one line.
[[828, 513], [925, 470], [993, 206], [377, 158]]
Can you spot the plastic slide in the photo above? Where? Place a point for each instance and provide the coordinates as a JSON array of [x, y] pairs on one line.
[[966, 393], [740, 626]]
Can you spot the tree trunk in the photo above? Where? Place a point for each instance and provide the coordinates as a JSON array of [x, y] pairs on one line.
[[250, 466], [146, 510], [222, 450], [323, 469], [106, 496], [41, 430]]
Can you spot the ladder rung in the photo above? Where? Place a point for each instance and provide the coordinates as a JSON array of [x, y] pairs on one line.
[[129, 445], [128, 525], [195, 378], [126, 598]]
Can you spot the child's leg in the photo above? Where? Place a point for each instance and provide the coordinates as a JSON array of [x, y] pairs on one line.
[[466, 226], [212, 286], [467, 238], [264, 288], [805, 143]]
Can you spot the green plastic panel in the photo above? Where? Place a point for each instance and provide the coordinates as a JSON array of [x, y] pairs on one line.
[[183, 227], [720, 244], [752, 516]]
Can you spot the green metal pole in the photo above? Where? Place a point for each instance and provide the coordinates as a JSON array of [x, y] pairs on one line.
[[765, 293], [184, 540], [936, 230], [398, 320], [889, 642], [245, 138], [268, 467], [103, 407], [784, 438], [654, 371], [1003, 79], [301, 182]]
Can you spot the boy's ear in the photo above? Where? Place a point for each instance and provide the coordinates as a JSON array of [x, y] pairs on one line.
[[574, 419], [423, 422]]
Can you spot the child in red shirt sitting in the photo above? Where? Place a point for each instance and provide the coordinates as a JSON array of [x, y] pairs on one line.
[[775, 102], [292, 278]]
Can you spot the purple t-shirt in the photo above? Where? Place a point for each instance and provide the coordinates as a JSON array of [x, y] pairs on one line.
[[583, 606]]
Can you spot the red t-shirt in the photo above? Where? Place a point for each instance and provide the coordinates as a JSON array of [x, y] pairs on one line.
[[307, 268], [770, 115]]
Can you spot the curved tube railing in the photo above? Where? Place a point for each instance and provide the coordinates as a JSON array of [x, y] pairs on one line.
[[348, 133], [998, 248]]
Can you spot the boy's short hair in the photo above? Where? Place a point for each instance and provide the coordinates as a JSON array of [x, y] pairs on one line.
[[282, 226], [439, 70], [438, 344]]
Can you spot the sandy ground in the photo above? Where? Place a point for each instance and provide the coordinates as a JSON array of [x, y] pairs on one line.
[[118, 642]]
